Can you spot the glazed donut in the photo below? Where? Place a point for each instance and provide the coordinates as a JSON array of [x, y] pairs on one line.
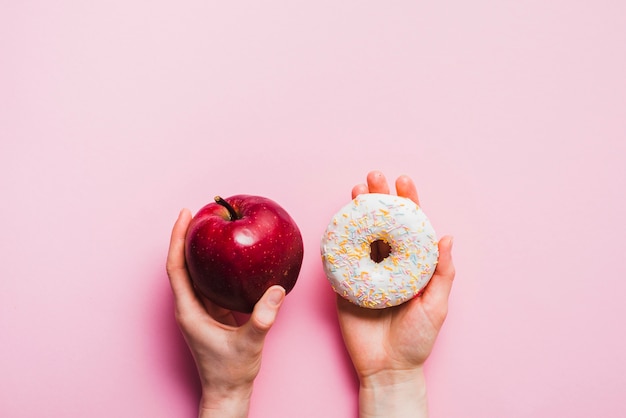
[[347, 257]]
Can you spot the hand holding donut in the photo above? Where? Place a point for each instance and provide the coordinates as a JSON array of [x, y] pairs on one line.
[[228, 356], [389, 346]]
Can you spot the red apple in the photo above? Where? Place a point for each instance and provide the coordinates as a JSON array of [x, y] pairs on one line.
[[236, 248]]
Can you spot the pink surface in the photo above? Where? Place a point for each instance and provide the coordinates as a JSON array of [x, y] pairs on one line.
[[510, 116]]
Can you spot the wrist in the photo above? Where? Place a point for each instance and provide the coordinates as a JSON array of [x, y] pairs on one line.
[[226, 402], [393, 394]]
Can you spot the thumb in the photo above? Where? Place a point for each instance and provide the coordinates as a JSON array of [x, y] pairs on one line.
[[435, 296], [438, 289], [265, 312]]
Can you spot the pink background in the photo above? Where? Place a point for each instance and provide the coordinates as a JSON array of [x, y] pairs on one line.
[[510, 116]]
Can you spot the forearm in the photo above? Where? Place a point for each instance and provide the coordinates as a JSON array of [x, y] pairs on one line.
[[394, 395], [229, 404]]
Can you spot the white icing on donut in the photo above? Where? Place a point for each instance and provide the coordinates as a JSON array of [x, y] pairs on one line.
[[346, 248]]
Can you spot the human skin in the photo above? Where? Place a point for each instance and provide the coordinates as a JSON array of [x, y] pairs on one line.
[[389, 347], [227, 355]]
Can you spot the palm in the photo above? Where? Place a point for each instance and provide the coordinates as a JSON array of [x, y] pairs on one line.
[[396, 338]]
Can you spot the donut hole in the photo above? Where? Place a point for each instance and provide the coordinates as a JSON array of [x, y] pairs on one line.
[[379, 250]]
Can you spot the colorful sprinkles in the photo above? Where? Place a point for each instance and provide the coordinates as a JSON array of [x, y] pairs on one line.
[[346, 247]]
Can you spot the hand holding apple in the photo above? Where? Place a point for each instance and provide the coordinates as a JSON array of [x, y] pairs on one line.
[[227, 355], [236, 248]]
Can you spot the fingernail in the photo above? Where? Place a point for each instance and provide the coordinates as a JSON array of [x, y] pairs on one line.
[[276, 296]]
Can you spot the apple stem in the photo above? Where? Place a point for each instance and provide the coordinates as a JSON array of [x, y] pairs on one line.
[[231, 211]]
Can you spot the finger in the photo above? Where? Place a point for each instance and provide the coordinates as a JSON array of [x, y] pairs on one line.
[[438, 289], [406, 188], [264, 313], [359, 189], [175, 266], [377, 183]]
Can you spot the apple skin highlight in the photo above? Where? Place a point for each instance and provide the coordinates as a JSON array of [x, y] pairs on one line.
[[233, 260]]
